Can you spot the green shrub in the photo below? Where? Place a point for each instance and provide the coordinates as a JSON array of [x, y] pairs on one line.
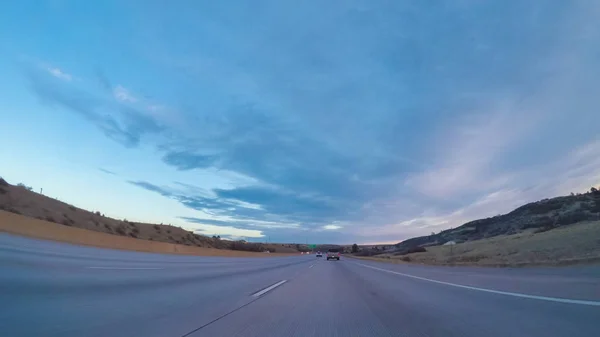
[[573, 217], [411, 250], [29, 188], [367, 253], [543, 229], [247, 246], [121, 230]]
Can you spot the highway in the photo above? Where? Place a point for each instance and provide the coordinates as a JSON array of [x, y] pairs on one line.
[[56, 289]]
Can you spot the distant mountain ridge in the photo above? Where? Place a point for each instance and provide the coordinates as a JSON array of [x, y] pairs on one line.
[[540, 216]]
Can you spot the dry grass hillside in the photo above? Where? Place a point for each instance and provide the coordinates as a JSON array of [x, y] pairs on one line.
[[540, 216], [21, 200], [554, 231], [576, 243], [25, 226]]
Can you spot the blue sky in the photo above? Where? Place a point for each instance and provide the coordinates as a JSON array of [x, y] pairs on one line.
[[319, 121]]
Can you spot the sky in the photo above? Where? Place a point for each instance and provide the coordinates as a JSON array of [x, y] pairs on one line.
[[314, 121]]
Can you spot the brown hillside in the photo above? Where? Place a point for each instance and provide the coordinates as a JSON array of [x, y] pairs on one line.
[[21, 200]]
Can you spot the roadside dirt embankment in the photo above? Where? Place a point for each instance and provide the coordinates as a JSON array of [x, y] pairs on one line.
[[40, 229]]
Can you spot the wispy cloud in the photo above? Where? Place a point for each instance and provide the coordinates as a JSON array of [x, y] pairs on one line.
[[107, 171], [60, 74], [332, 227], [385, 120], [123, 95], [227, 230], [123, 124]]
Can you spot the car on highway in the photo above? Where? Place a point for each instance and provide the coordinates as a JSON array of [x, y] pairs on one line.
[[333, 254], [319, 254]]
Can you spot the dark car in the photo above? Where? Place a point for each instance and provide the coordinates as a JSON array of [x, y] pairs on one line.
[[333, 254]]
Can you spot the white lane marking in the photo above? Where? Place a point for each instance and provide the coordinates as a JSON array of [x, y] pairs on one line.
[[266, 290], [125, 268], [543, 298], [312, 265]]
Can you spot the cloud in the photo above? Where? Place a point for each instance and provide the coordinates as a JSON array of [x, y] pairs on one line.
[[248, 207], [467, 154], [384, 121], [250, 224], [367, 149], [285, 204], [103, 80], [332, 227], [58, 73], [227, 230], [123, 124], [123, 95], [107, 171], [187, 161], [199, 201], [576, 171]]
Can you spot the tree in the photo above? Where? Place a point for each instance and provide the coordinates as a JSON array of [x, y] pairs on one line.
[[29, 188], [355, 248], [594, 190]]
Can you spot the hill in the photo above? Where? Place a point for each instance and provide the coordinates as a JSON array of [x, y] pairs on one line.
[[576, 243], [538, 216], [556, 231], [20, 199]]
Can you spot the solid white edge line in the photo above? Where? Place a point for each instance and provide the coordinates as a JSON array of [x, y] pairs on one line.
[[543, 298], [125, 268], [266, 290]]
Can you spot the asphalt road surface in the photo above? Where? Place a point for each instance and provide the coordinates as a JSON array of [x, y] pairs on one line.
[[54, 289]]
